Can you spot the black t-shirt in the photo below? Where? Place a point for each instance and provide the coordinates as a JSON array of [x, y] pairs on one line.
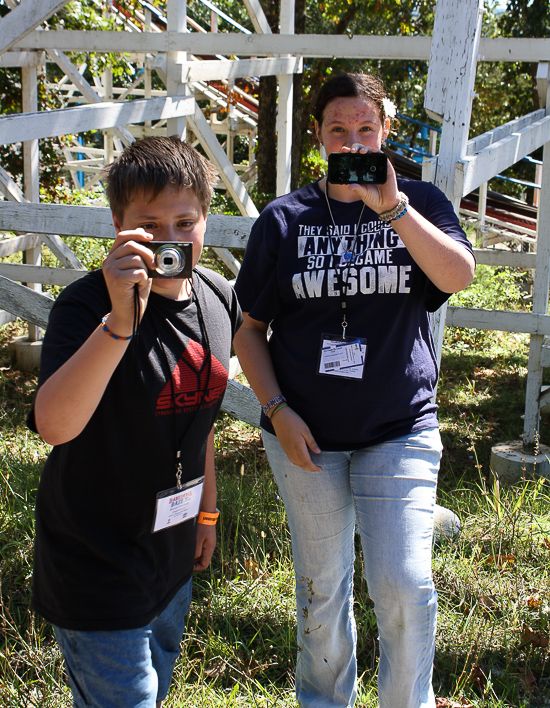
[[291, 278], [98, 566]]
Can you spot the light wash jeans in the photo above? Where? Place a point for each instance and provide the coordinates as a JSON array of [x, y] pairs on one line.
[[389, 491], [130, 668]]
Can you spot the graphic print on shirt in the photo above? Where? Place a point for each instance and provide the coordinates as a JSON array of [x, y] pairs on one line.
[[196, 384], [368, 258]]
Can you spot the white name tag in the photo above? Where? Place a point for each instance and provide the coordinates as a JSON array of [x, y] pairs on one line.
[[342, 356], [174, 506]]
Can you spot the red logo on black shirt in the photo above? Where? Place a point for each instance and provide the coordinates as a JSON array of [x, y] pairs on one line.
[[196, 382]]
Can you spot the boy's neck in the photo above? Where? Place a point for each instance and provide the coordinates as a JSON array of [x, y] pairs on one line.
[[172, 288]]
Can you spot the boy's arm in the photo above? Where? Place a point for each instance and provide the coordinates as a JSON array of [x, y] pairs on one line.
[[66, 401], [206, 535]]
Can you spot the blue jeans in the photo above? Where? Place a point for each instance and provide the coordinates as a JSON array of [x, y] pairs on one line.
[[388, 490], [126, 668]]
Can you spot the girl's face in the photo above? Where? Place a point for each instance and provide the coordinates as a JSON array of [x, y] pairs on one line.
[[347, 121]]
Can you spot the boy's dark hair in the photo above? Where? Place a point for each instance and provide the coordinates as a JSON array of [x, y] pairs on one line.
[[153, 163], [349, 86]]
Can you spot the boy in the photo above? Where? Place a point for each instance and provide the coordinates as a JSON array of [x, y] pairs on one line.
[[132, 376]]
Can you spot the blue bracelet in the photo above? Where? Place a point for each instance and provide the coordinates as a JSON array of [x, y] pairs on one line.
[[112, 334]]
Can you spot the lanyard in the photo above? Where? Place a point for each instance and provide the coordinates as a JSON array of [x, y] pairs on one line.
[[346, 259]]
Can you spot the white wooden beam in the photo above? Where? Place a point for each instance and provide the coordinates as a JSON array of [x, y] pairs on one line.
[[90, 94], [24, 19], [40, 274], [9, 246], [215, 69], [14, 60], [211, 145], [25, 303], [10, 188], [502, 131], [222, 230], [502, 320], [306, 45], [472, 171], [285, 108], [241, 402], [64, 121], [500, 257], [257, 16]]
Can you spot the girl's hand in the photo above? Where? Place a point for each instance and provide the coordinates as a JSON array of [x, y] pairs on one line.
[[295, 438], [379, 197]]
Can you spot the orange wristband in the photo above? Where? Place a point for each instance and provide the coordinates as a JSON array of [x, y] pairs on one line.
[[208, 518]]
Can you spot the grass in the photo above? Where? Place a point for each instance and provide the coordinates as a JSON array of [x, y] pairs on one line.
[[240, 643]]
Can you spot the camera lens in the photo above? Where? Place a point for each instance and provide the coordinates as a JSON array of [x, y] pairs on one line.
[[169, 260]]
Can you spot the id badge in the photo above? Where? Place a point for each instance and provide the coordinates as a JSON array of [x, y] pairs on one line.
[[342, 356], [176, 505]]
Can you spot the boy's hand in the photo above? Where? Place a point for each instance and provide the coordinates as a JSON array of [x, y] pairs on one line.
[[125, 267], [206, 543]]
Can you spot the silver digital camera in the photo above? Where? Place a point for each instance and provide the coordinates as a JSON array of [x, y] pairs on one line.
[[173, 259]]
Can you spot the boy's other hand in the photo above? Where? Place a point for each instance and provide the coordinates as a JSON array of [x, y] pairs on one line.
[[206, 543]]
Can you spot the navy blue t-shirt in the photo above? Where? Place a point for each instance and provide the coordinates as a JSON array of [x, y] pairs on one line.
[[291, 279]]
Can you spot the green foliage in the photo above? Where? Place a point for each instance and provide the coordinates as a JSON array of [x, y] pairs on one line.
[[491, 289]]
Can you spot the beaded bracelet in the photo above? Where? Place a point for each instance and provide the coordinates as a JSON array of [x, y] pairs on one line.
[[112, 334], [272, 403], [277, 408], [398, 211]]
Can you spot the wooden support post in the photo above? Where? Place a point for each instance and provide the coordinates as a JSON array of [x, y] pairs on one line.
[[284, 114], [31, 170], [540, 297], [176, 22], [449, 94]]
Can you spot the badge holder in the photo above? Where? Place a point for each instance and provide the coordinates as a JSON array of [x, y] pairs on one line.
[[342, 356], [179, 504]]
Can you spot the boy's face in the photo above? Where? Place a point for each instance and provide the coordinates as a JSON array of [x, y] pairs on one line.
[[173, 215]]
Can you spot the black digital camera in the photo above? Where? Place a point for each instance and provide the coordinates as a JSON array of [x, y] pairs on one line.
[[173, 259], [357, 168]]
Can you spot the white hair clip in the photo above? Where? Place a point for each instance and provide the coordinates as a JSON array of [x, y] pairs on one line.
[[390, 109]]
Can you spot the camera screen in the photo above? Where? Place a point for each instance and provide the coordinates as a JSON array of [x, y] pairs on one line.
[[357, 168]]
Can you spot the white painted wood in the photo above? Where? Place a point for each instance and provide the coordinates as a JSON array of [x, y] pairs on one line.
[[222, 230], [540, 300], [200, 126], [209, 70], [25, 303], [88, 92], [17, 244], [62, 252], [502, 131], [24, 18], [229, 259], [543, 73], [14, 60], [307, 45], [31, 176], [10, 188], [40, 274], [501, 320], [285, 108], [6, 317], [230, 43], [64, 121], [451, 77], [257, 16], [510, 259], [241, 402], [473, 170], [176, 16], [448, 97]]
